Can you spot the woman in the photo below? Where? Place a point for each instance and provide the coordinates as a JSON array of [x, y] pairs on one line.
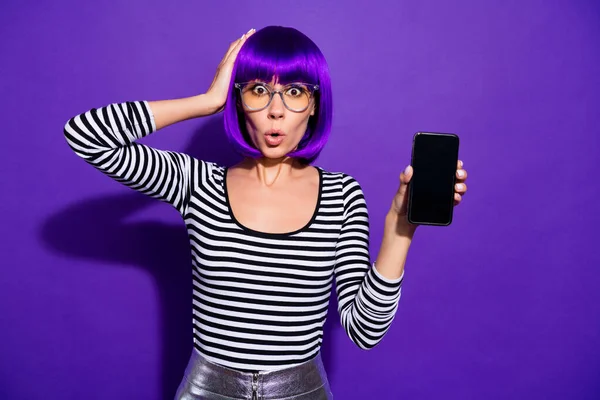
[[268, 235]]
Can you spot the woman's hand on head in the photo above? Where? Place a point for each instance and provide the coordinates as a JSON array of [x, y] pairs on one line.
[[219, 88]]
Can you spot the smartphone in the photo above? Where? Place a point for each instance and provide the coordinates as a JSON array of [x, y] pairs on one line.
[[431, 188]]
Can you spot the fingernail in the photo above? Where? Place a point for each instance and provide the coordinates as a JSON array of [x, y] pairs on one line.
[[406, 170], [459, 186], [461, 173]]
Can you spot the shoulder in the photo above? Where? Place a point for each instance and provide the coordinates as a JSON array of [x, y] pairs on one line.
[[212, 167], [206, 173], [346, 182], [348, 188]]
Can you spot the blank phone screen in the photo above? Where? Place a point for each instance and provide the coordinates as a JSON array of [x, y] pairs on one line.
[[431, 193]]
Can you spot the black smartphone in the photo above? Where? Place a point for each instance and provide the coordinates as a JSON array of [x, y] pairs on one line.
[[431, 188]]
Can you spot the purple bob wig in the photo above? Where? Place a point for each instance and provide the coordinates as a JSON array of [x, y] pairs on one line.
[[289, 56]]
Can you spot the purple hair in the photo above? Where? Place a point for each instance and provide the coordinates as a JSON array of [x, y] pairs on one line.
[[290, 56]]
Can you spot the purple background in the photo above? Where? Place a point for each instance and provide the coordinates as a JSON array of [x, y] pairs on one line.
[[95, 284]]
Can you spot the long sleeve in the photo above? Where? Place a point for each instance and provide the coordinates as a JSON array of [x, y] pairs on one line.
[[106, 138], [367, 301]]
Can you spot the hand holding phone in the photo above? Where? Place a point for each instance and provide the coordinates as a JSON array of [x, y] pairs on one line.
[[431, 189]]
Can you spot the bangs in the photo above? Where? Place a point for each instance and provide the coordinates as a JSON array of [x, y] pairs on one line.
[[288, 57]]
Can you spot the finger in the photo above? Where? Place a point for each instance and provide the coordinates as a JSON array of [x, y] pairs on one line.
[[460, 188], [233, 44], [236, 49], [229, 50], [459, 164], [461, 174], [457, 199], [404, 180], [233, 53], [406, 175]]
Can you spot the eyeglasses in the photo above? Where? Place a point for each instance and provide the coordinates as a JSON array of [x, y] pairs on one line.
[[257, 96]]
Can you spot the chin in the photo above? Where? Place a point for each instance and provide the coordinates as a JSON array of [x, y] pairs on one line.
[[274, 153]]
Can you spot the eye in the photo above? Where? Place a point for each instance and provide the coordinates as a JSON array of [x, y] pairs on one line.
[[296, 91], [259, 89]]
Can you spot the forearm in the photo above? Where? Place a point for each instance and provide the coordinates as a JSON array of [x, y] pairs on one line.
[[397, 237], [168, 112], [367, 300]]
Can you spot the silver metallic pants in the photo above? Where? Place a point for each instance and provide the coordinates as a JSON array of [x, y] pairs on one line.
[[209, 381]]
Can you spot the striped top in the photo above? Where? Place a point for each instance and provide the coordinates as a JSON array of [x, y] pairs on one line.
[[260, 300]]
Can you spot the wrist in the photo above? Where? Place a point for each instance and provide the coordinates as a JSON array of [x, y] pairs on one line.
[[399, 224], [205, 104]]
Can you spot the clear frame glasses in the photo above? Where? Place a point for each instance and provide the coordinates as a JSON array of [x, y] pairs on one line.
[[257, 96]]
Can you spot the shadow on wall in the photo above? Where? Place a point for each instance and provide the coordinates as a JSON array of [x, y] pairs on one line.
[[96, 229]]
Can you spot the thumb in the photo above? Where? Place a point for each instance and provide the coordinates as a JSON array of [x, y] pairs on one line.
[[406, 175], [405, 178]]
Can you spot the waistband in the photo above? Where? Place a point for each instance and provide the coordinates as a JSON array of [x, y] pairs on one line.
[[293, 381]]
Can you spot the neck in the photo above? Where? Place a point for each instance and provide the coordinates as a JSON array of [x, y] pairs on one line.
[[268, 171]]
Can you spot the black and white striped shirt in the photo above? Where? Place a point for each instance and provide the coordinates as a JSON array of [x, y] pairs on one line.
[[260, 300]]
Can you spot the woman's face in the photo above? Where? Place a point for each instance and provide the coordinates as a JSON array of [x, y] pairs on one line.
[[276, 130]]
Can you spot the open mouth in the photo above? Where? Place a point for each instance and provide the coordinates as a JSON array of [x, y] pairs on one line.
[[274, 138], [275, 133]]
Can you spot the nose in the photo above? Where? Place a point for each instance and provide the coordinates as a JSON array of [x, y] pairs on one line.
[[276, 108]]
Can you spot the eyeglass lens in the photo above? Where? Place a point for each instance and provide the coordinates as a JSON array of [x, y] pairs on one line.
[[256, 95]]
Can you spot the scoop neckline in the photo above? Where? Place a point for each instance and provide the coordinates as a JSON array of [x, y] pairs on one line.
[[273, 234]]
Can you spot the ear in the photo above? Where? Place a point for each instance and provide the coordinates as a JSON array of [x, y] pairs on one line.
[[312, 112]]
